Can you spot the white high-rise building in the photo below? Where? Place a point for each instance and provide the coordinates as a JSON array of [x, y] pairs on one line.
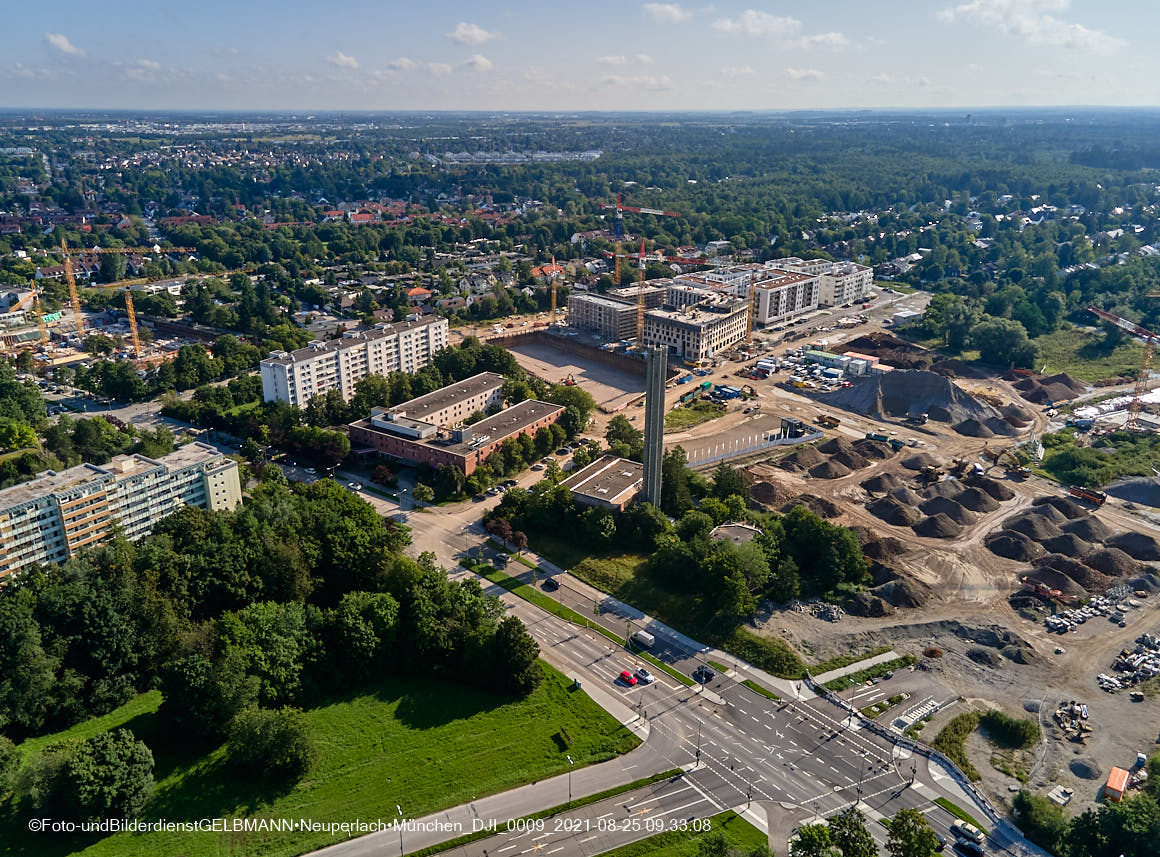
[[784, 295], [841, 282], [54, 515], [338, 364]]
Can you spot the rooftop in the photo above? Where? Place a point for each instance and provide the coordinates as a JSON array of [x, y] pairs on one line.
[[601, 300], [351, 340], [607, 479], [423, 406], [779, 278], [487, 431], [699, 315]]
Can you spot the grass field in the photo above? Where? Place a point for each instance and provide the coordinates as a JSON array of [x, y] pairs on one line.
[[737, 832], [870, 672], [1082, 355], [692, 414], [421, 743]]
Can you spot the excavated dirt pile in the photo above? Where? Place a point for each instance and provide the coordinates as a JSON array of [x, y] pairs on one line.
[[949, 508], [1138, 489], [1053, 388], [938, 527], [904, 592], [1112, 562], [977, 500], [994, 487], [948, 488], [820, 506], [801, 460], [1088, 528], [974, 428], [1136, 545], [1053, 579], [874, 450], [1018, 415], [1069, 544], [830, 469], [878, 547], [1082, 575], [1013, 545], [1066, 506], [904, 393], [904, 494], [893, 512], [1034, 526], [919, 460], [882, 483]]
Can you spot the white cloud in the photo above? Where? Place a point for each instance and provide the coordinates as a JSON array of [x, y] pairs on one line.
[[1032, 21], [477, 63], [437, 69], [752, 22], [151, 65], [612, 60], [644, 81], [738, 71], [833, 41], [880, 79], [341, 60], [61, 42], [471, 34], [644, 58], [811, 75], [402, 64], [669, 13]]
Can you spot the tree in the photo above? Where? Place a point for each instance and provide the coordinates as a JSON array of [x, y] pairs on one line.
[[9, 765], [201, 698], [848, 832], [675, 496], [812, 840], [514, 655], [624, 439], [276, 744], [24, 361], [1002, 341], [108, 776], [424, 493], [112, 267], [910, 835], [519, 540], [1043, 822], [728, 481], [15, 435]]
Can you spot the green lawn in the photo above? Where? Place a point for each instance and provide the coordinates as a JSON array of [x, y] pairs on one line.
[[1082, 355], [870, 672], [138, 707], [692, 414], [738, 833], [422, 743]]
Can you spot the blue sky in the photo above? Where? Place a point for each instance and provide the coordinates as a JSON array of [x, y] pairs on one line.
[[596, 55]]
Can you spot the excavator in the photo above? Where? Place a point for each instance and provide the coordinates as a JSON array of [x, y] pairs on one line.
[[1008, 460]]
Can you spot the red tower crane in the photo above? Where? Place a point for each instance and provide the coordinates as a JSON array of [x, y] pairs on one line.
[[1150, 340]]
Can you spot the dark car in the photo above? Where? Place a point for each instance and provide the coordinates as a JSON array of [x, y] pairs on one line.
[[704, 675], [551, 584]]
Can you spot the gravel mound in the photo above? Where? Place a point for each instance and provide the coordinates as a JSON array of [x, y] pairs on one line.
[[1017, 415], [1053, 388], [801, 460], [1066, 506], [882, 483], [938, 527], [1069, 544], [767, 493], [977, 500], [974, 428], [948, 488], [1050, 513], [1085, 769], [866, 604], [1088, 578], [919, 460], [1089, 528], [1112, 562], [875, 450], [1053, 579], [820, 506], [903, 494], [1146, 582], [1034, 526], [905, 592], [850, 459], [994, 487], [886, 547], [830, 470], [1138, 489], [948, 507], [986, 657], [1136, 545], [1013, 545], [1019, 654], [893, 512], [835, 445], [902, 393]]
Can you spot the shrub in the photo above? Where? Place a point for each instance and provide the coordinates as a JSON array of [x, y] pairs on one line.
[[274, 744], [1009, 731], [951, 742]]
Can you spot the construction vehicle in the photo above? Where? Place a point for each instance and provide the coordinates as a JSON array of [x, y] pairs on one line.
[[930, 473], [1044, 591], [570, 381], [747, 392], [876, 436], [959, 467], [895, 443], [827, 421], [1096, 498]]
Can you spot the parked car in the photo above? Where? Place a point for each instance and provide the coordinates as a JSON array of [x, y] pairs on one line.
[[551, 584], [704, 675], [965, 830], [628, 678], [645, 676]]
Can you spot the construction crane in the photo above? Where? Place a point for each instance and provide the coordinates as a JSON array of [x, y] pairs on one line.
[[130, 312], [36, 312], [640, 299], [1150, 339], [619, 207]]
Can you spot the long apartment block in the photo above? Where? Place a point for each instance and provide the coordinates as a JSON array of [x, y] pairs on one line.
[[338, 364], [56, 514]]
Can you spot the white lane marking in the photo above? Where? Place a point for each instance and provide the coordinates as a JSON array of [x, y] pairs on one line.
[[679, 808]]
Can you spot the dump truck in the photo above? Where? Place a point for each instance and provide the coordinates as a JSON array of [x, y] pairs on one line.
[[827, 421], [870, 435]]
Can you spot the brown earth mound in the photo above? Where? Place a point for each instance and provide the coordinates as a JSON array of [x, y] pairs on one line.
[[893, 512], [905, 592], [919, 460], [973, 428], [1112, 562], [1053, 388], [884, 547], [938, 527], [836, 444], [949, 488], [1050, 513], [948, 507], [820, 506], [903, 494], [1088, 578], [1013, 545], [768, 493], [801, 459], [1034, 526], [985, 657], [875, 450], [1017, 415], [850, 459], [1088, 528], [1136, 545], [1069, 544], [994, 487], [866, 604], [977, 500], [1067, 507], [882, 483], [830, 470], [1053, 579]]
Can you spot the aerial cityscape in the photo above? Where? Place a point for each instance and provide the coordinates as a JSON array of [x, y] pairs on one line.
[[647, 430]]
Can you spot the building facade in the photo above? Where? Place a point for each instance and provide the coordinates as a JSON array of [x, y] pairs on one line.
[[51, 517], [846, 283], [608, 482], [698, 332], [339, 364], [612, 319], [785, 295]]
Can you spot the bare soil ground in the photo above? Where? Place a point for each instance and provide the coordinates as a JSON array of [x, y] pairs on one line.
[[611, 388]]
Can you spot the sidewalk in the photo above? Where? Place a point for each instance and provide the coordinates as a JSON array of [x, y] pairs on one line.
[[857, 666]]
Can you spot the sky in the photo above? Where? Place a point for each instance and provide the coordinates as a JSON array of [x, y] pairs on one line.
[[595, 55]]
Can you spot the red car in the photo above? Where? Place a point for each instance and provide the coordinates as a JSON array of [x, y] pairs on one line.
[[628, 678]]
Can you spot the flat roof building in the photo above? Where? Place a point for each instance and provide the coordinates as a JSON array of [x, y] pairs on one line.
[[609, 482], [700, 331], [613, 320], [56, 514], [654, 293], [338, 364], [784, 295]]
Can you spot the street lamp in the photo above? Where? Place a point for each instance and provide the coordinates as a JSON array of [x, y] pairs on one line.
[[570, 765], [399, 809]]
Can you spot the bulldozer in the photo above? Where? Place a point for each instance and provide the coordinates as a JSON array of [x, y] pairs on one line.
[[930, 473]]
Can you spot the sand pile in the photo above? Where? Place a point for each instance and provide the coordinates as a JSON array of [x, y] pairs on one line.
[[801, 460], [1136, 545], [1053, 388], [835, 445], [919, 460], [1017, 415], [768, 493], [938, 527], [1013, 545], [994, 487], [949, 488], [875, 450], [1085, 769], [820, 506], [1089, 528], [830, 470], [1069, 544], [1112, 562], [1066, 506], [973, 428], [850, 459], [1035, 527], [893, 512], [1053, 579], [1138, 489], [904, 494], [1085, 576], [1050, 513], [985, 657], [882, 483], [977, 500], [884, 547], [904, 393], [904, 592], [948, 507]]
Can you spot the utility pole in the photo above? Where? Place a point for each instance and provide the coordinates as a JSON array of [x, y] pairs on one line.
[[570, 764]]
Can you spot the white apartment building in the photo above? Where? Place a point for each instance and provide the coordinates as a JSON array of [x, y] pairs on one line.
[[804, 266], [841, 282], [612, 319], [698, 332], [338, 364], [51, 517], [784, 295]]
